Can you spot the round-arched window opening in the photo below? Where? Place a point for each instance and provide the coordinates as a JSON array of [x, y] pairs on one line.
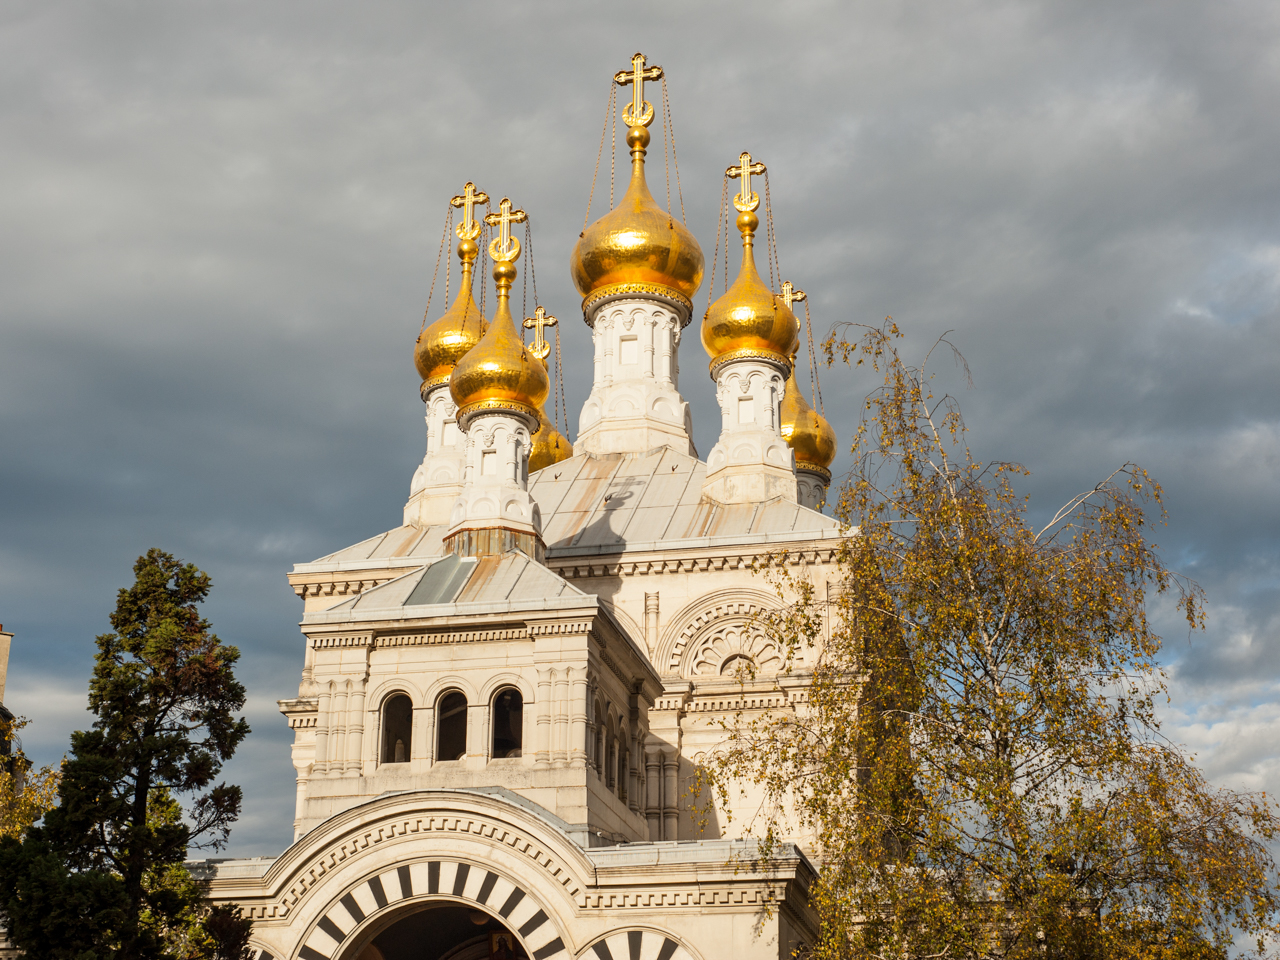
[[451, 726], [397, 729], [737, 665], [508, 724]]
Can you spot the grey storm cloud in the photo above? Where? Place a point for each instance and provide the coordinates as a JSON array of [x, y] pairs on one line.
[[218, 223]]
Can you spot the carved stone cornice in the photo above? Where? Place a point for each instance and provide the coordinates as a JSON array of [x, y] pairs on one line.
[[619, 565]]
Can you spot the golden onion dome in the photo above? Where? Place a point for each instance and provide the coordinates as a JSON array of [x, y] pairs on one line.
[[807, 431], [549, 445], [637, 247], [499, 373], [749, 321], [446, 341]]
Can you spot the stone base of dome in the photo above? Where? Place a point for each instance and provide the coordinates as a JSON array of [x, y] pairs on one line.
[[636, 435], [491, 541], [751, 462], [811, 487], [635, 403], [437, 482]]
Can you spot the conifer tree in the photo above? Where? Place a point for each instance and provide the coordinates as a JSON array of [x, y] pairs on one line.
[[103, 875], [979, 764]]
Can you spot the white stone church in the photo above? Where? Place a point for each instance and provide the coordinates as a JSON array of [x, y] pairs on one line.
[[504, 700]]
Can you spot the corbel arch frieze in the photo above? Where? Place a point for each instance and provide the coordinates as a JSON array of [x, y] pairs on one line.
[[697, 620]]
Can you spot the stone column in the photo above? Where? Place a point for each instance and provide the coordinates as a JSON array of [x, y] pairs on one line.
[[560, 753], [651, 622], [338, 733], [653, 789], [355, 729], [579, 692], [670, 795], [323, 719], [542, 758]]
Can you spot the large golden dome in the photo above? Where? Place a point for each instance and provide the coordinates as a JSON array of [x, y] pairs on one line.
[[499, 373], [749, 321], [807, 431], [637, 247], [441, 345]]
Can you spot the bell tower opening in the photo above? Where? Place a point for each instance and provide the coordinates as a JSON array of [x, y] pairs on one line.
[[441, 931]]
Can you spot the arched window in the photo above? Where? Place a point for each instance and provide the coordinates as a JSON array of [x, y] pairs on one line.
[[508, 723], [451, 726], [397, 728], [624, 757], [598, 759]]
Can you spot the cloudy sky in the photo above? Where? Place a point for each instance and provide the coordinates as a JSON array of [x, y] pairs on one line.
[[218, 223]]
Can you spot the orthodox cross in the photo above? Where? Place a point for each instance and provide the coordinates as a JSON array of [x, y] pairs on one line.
[[469, 228], [640, 111], [505, 246], [746, 200], [790, 294], [537, 322]]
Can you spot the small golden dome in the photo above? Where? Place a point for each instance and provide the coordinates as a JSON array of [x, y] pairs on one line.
[[749, 321], [807, 431], [499, 373], [637, 246], [549, 445], [441, 345]]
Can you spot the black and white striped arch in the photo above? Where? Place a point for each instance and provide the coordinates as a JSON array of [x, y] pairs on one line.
[[636, 945], [464, 881]]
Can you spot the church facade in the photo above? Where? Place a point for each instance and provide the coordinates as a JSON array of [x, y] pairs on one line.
[[505, 700]]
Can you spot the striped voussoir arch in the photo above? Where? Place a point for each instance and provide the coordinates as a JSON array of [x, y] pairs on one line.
[[636, 945], [417, 881]]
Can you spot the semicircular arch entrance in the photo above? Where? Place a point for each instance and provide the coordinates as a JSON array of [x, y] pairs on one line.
[[363, 914]]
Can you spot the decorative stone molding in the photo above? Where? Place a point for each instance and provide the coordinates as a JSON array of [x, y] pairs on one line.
[[581, 568], [338, 587], [702, 617], [425, 879], [331, 641]]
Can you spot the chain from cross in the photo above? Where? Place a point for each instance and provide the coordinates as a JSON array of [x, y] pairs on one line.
[[744, 168], [640, 111], [537, 323], [469, 228], [504, 246]]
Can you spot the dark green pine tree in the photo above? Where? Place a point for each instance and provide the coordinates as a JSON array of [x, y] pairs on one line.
[[103, 875]]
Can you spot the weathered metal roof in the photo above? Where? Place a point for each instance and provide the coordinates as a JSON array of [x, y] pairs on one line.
[[594, 505]]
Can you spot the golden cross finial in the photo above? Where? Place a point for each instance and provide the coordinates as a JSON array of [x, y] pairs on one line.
[[540, 319], [790, 294], [469, 228], [640, 111], [504, 246], [744, 168]]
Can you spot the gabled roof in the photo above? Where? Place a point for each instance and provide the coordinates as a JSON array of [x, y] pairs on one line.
[[448, 585]]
